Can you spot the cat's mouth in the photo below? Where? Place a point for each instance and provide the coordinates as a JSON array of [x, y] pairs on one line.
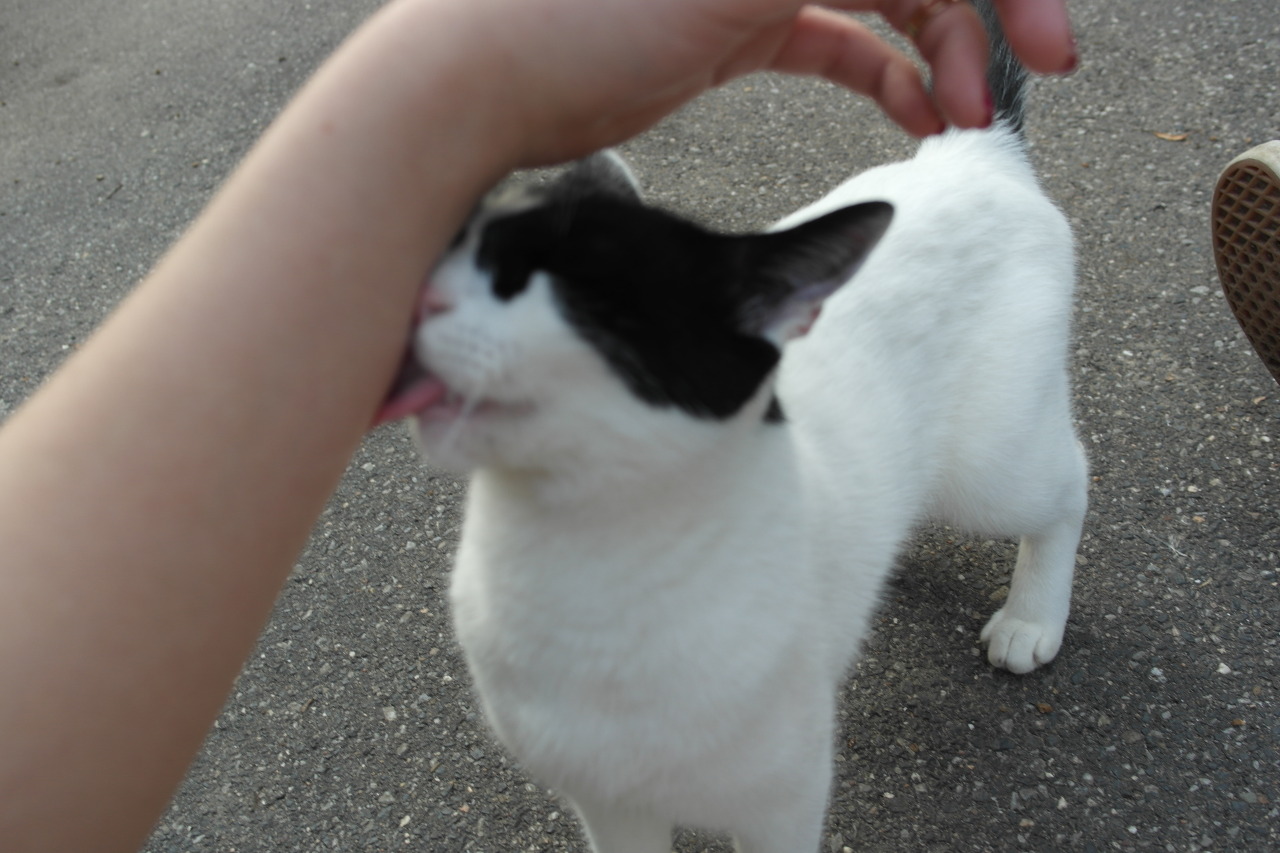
[[414, 390], [418, 392]]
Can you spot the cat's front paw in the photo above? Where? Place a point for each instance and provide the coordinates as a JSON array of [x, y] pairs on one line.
[[1019, 645]]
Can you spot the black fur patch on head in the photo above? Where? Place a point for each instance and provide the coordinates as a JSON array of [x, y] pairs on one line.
[[684, 316], [658, 297]]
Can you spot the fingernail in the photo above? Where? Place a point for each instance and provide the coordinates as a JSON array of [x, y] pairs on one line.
[[1073, 61]]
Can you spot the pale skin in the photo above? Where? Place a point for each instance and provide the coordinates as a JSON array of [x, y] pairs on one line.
[[226, 394]]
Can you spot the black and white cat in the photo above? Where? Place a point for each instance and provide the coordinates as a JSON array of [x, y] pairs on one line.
[[688, 485]]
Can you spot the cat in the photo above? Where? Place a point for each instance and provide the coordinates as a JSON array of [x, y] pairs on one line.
[[695, 458]]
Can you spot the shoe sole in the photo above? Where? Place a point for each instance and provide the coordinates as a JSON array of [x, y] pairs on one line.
[[1246, 245]]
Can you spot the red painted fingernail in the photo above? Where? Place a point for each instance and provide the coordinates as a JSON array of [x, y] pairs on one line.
[[1073, 61]]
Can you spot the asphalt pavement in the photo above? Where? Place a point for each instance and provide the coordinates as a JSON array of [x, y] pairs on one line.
[[353, 726]]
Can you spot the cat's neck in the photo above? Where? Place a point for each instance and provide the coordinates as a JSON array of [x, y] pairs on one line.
[[642, 538], [742, 457]]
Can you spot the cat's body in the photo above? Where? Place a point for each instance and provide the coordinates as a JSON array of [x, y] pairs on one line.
[[661, 581]]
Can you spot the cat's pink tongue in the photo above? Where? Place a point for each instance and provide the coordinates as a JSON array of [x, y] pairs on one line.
[[422, 394]]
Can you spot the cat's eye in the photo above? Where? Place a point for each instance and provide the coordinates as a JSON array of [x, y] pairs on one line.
[[510, 280]]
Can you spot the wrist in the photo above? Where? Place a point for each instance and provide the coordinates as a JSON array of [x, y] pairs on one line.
[[416, 96]]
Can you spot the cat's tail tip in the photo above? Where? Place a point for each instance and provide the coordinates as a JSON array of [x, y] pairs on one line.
[[1006, 75]]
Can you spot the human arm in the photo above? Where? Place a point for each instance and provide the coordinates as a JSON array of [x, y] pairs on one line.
[[154, 494], [718, 40]]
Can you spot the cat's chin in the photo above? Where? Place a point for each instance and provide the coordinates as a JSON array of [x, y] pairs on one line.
[[453, 407]]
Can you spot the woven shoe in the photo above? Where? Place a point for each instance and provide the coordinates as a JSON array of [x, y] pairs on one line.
[[1246, 245]]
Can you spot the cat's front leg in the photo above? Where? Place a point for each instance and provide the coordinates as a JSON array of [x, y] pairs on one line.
[[786, 832], [613, 828], [792, 818]]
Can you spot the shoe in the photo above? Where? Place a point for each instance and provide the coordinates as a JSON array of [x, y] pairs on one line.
[[1246, 245]]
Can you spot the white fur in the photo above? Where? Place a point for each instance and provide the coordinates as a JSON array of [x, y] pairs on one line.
[[657, 611]]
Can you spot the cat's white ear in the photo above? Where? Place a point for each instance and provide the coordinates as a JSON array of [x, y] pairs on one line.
[[602, 172], [798, 268]]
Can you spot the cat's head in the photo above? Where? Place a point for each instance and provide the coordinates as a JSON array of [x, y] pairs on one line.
[[575, 325]]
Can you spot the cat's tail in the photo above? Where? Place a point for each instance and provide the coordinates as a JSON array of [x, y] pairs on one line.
[[1006, 76]]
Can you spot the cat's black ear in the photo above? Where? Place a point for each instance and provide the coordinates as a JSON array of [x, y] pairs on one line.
[[796, 269], [604, 172]]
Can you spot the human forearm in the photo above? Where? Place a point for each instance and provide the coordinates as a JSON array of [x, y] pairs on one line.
[[184, 453]]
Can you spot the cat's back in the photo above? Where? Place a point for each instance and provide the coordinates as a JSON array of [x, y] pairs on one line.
[[974, 241], [961, 307], [962, 192]]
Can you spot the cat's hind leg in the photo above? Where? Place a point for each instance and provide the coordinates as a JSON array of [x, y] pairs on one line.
[[1027, 631], [612, 828]]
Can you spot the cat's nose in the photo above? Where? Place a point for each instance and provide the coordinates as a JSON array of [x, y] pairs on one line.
[[432, 302]]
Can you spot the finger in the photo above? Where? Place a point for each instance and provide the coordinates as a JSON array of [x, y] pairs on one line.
[[1039, 31], [833, 46], [1040, 34], [953, 41]]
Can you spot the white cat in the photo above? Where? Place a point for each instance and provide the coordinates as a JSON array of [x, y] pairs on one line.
[[675, 542]]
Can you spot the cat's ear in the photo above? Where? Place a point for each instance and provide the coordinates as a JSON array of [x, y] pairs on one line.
[[798, 268], [602, 172]]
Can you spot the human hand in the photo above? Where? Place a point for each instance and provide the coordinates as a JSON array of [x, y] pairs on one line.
[[582, 75]]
